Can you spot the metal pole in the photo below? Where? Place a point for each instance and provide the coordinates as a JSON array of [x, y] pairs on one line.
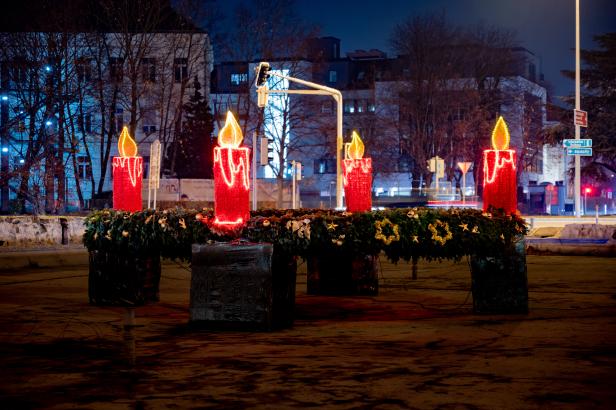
[[463, 188], [339, 144], [577, 178], [4, 156], [255, 192], [293, 185]]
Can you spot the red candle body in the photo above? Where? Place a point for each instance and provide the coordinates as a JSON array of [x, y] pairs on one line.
[[231, 185], [127, 179], [499, 180], [358, 184]]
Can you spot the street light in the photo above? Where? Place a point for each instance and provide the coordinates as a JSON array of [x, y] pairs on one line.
[[577, 176]]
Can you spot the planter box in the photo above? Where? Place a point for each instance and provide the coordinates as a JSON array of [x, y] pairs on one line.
[[123, 280], [242, 286], [499, 284], [333, 274]]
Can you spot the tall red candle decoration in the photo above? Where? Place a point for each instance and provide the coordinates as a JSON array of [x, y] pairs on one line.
[[231, 176], [499, 173], [357, 177], [127, 175]]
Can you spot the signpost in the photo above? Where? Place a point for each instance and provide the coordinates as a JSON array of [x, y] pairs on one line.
[[580, 118], [154, 173], [437, 165], [585, 152], [464, 167], [581, 143]]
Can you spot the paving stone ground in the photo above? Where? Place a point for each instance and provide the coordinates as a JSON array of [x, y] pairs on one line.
[[415, 346]]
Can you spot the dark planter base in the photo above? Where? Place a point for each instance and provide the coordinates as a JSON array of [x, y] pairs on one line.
[[123, 280], [343, 275], [499, 284], [242, 286]]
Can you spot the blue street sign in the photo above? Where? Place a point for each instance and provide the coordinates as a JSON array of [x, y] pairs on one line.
[[585, 152], [581, 143]]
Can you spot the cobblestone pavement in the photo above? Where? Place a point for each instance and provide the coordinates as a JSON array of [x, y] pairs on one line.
[[415, 346]]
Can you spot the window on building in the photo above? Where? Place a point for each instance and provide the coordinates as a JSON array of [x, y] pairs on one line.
[[119, 119], [84, 167], [349, 106], [116, 69], [19, 73], [87, 122], [148, 69], [371, 107], [325, 166], [239, 78], [333, 76], [83, 69], [361, 106], [532, 72], [180, 69]]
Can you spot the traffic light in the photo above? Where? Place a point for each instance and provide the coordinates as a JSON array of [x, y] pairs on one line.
[[262, 73], [266, 153]]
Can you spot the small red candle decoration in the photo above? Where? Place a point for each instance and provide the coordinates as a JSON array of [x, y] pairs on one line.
[[357, 177], [127, 175], [499, 173], [231, 177]]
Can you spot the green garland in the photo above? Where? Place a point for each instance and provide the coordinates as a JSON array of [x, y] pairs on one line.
[[400, 233]]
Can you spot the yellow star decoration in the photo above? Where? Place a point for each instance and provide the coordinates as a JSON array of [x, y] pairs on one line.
[[331, 226], [475, 229], [148, 219], [415, 238], [436, 237], [464, 227], [182, 223], [502, 237], [412, 214], [394, 237]]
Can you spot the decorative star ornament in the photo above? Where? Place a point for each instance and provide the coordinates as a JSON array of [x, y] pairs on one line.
[[464, 227]]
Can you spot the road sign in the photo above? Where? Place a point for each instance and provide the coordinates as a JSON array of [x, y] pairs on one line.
[[580, 118], [585, 152], [581, 143]]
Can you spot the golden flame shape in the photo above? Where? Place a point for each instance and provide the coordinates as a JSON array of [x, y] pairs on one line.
[[500, 135], [356, 147], [230, 136], [126, 145]]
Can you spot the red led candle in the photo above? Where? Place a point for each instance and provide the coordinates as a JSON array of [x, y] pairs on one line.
[[357, 177], [127, 175], [231, 177], [499, 173]]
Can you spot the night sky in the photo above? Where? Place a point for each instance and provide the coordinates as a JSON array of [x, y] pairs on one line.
[[545, 27]]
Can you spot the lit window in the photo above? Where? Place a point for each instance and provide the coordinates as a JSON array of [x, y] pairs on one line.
[[326, 107], [239, 78], [371, 107], [333, 76], [83, 69]]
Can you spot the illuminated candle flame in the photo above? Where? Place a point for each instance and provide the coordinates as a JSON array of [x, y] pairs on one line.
[[126, 145], [356, 147], [500, 135], [230, 136]]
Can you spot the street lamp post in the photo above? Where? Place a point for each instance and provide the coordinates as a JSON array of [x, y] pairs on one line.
[[4, 153], [577, 177]]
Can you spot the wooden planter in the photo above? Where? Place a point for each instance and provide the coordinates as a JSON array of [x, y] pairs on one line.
[[242, 286], [499, 284], [332, 274], [123, 279]]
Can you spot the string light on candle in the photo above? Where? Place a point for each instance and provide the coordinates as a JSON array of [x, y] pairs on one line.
[[127, 174], [499, 171], [357, 176], [231, 176]]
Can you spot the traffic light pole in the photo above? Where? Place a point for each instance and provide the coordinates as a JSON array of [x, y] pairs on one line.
[[319, 90]]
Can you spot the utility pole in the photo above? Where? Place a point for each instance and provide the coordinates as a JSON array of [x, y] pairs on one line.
[[4, 153], [577, 178]]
